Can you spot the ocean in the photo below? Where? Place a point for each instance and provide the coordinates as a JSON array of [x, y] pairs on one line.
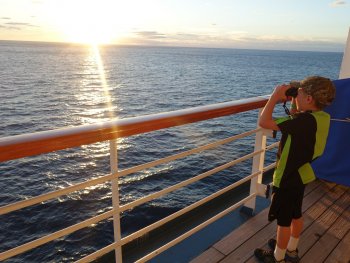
[[45, 86]]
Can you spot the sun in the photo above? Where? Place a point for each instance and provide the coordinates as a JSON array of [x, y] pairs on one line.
[[84, 21], [99, 21]]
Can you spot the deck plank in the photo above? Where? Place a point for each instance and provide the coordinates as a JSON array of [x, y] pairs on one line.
[[326, 232], [246, 231], [341, 253], [329, 205], [326, 229], [211, 255]]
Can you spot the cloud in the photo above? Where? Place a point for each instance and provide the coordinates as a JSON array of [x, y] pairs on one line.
[[338, 3], [16, 25], [6, 18], [150, 35], [235, 39], [10, 27]]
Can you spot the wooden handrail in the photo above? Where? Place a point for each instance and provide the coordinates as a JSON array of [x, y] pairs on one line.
[[20, 146]]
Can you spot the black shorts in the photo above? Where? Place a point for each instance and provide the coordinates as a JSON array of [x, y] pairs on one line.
[[286, 204]]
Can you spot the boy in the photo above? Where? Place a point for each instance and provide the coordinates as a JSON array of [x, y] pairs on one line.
[[304, 136]]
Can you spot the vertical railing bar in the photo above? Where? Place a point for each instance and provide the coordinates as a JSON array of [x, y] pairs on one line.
[[115, 199], [257, 166]]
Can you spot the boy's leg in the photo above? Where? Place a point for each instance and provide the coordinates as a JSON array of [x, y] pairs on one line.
[[283, 235], [278, 252], [296, 229], [296, 225]]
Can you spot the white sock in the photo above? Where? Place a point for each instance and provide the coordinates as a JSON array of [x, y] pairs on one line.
[[293, 243], [279, 253]]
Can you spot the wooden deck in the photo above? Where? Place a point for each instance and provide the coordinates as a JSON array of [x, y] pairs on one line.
[[325, 238]]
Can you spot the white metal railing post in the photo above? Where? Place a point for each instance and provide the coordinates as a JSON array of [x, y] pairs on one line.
[[345, 65], [115, 199], [257, 166]]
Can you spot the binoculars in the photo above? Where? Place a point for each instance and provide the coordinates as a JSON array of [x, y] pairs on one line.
[[292, 92]]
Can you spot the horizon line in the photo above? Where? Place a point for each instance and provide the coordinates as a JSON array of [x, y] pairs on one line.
[[162, 46]]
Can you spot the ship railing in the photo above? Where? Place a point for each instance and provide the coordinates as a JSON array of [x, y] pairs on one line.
[[20, 146]]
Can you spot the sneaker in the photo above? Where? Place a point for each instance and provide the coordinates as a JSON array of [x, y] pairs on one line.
[[266, 256], [291, 256]]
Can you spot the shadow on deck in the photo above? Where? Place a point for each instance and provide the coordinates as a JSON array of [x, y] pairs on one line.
[[325, 238]]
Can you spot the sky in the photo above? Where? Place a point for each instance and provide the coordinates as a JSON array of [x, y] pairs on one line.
[[311, 25]]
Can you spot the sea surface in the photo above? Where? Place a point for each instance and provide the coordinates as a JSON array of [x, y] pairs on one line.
[[45, 86]]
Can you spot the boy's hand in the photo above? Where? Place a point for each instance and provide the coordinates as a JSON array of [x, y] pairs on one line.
[[279, 93]]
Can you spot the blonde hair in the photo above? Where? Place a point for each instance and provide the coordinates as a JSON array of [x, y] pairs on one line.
[[321, 89]]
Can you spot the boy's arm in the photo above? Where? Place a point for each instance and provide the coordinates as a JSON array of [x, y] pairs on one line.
[[266, 120]]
